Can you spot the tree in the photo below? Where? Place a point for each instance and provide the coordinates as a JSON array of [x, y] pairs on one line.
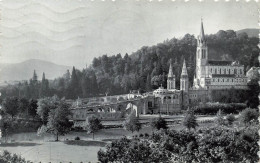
[[230, 119], [11, 105], [248, 115], [5, 127], [34, 78], [148, 83], [45, 105], [220, 118], [32, 110], [93, 124], [189, 120], [132, 123], [58, 121], [44, 90], [158, 123], [23, 106], [253, 92]]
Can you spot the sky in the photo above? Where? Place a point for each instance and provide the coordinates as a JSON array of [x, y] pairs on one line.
[[73, 32]]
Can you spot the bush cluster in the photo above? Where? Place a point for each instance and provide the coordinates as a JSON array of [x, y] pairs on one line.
[[19, 125], [213, 108], [205, 145], [12, 158]]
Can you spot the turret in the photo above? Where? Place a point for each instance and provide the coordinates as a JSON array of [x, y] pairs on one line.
[[171, 78], [184, 81]]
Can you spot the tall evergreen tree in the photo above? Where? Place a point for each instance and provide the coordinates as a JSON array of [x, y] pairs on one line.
[[44, 90]]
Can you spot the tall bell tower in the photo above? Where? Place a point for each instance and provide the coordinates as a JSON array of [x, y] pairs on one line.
[[202, 54]]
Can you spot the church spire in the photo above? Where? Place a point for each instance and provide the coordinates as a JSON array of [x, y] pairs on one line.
[[184, 70], [202, 36], [170, 74]]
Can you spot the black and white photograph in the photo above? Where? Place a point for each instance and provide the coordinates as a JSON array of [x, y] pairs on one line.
[[129, 81]]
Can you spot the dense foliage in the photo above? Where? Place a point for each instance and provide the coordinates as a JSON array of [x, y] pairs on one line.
[[93, 124], [145, 69], [158, 123], [58, 120], [248, 116], [189, 120], [132, 123], [229, 95], [7, 157], [205, 145], [213, 108]]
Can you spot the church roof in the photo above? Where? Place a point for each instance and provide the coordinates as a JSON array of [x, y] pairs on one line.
[[219, 63]]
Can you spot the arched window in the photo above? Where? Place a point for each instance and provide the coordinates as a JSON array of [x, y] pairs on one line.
[[228, 71], [235, 71], [215, 71], [220, 71], [240, 71], [224, 71]]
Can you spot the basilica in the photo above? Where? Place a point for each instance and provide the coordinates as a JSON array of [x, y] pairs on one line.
[[209, 75]]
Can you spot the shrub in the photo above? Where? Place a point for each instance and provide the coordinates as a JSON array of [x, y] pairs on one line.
[[12, 158], [230, 119], [189, 120], [132, 123], [141, 135], [158, 123], [146, 135], [77, 138], [248, 115], [213, 108], [216, 144], [220, 119]]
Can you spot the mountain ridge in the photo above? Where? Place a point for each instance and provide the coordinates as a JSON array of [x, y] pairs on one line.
[[24, 70]]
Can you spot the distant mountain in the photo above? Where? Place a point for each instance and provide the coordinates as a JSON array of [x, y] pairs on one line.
[[251, 32], [24, 70]]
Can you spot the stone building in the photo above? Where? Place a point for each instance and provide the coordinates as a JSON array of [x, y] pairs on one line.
[[209, 75]]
